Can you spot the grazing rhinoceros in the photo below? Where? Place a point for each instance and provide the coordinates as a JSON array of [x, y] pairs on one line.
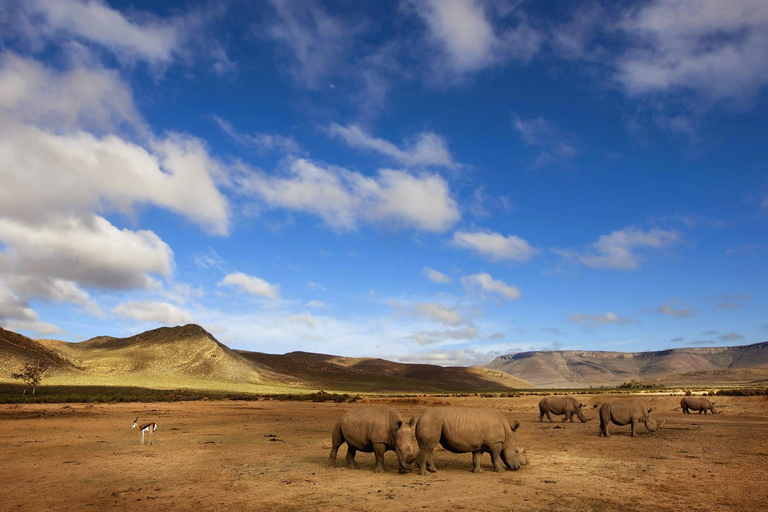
[[697, 403], [626, 412], [561, 405], [377, 430], [463, 430]]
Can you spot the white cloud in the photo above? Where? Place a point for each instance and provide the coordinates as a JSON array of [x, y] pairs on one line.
[[261, 141], [305, 317], [620, 249], [46, 288], [719, 49], [466, 357], [731, 336], [251, 284], [149, 311], [487, 284], [436, 276], [595, 321], [495, 246], [316, 304], [466, 39], [556, 146], [683, 311], [344, 198], [433, 337], [94, 21], [16, 315], [89, 251], [74, 98], [427, 149], [315, 41], [438, 312], [43, 151]]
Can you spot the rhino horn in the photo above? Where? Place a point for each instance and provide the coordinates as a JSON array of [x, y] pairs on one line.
[[662, 423]]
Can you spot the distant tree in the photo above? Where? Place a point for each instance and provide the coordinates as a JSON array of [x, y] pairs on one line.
[[32, 373]]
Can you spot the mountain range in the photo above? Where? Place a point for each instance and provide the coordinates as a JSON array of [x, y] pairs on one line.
[[679, 366], [189, 356]]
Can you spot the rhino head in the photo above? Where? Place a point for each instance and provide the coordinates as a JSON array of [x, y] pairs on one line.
[[406, 446], [650, 423], [512, 456]]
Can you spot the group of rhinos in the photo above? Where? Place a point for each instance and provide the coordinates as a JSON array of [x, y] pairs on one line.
[[475, 430]]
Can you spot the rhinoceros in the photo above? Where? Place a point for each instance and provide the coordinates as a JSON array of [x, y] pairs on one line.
[[463, 430], [697, 403], [561, 405], [626, 412], [377, 430]]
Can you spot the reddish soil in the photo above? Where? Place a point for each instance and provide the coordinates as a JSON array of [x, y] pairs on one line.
[[217, 456]]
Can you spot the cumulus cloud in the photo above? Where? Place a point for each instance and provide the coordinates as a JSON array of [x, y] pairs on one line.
[[51, 289], [495, 246], [344, 198], [620, 250], [682, 311], [485, 283], [436, 276], [149, 311], [426, 149], [251, 284], [467, 36], [16, 315], [717, 49], [89, 251], [595, 321]]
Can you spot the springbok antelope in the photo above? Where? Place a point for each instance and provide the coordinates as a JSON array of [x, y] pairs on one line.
[[150, 427]]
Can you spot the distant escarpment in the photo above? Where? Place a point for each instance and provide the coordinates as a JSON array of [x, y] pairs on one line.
[[583, 368]]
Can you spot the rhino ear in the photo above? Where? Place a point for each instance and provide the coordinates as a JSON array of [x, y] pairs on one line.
[[398, 425], [412, 423], [515, 426], [649, 410]]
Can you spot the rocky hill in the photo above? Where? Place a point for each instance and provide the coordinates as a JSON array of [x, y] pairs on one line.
[[579, 368], [191, 353]]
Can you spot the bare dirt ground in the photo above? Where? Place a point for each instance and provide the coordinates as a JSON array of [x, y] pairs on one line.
[[218, 456]]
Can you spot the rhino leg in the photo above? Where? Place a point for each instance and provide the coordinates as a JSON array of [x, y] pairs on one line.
[[635, 421], [378, 450], [337, 440], [476, 456], [425, 457], [495, 450], [351, 464], [568, 416], [431, 463]]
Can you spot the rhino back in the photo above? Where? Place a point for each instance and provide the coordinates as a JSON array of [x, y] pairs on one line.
[[463, 429], [697, 402], [366, 426], [561, 404], [623, 411]]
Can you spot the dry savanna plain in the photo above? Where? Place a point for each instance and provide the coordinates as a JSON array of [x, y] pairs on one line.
[[271, 455]]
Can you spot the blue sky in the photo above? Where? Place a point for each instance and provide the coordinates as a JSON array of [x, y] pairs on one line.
[[427, 181]]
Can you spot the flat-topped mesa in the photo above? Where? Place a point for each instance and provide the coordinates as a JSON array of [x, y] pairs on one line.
[[631, 355]]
